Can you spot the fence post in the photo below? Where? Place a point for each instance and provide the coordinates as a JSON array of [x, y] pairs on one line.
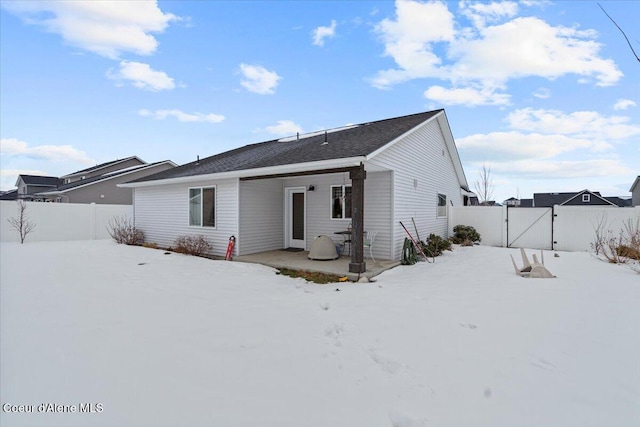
[[93, 220], [505, 227]]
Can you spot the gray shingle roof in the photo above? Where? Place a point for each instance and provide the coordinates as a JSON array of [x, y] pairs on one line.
[[359, 140], [9, 195], [41, 180], [101, 165]]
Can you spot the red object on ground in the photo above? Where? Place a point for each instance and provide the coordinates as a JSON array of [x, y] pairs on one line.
[[232, 242]]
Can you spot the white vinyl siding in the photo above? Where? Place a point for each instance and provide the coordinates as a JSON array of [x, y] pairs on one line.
[[422, 168], [162, 212], [377, 208], [261, 216]]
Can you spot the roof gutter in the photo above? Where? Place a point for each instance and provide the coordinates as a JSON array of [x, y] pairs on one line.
[[247, 173]]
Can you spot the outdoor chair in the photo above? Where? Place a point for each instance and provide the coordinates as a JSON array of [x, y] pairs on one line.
[[369, 238]]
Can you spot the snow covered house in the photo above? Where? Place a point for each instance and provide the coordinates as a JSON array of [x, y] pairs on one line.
[[284, 193]]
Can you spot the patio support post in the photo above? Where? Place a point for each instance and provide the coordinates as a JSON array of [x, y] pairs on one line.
[[357, 176]]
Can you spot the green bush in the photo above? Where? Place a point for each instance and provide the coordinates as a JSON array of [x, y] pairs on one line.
[[463, 234], [435, 245]]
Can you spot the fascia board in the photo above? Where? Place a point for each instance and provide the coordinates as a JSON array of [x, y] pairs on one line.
[[246, 173]]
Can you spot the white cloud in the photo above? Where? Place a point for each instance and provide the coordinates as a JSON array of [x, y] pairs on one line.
[[585, 124], [284, 127], [545, 169], [142, 76], [56, 153], [466, 96], [480, 13], [410, 38], [507, 146], [258, 79], [623, 104], [542, 93], [526, 47], [182, 116], [551, 144], [426, 41], [322, 33], [107, 28]]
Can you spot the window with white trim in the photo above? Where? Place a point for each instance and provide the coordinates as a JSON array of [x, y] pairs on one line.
[[340, 202], [442, 205], [586, 198], [202, 207]]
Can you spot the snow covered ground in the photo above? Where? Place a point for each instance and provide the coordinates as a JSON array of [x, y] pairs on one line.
[[172, 340]]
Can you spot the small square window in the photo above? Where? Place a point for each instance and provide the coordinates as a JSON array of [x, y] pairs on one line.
[[442, 205], [586, 198]]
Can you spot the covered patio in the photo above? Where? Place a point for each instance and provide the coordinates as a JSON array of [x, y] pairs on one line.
[[300, 261]]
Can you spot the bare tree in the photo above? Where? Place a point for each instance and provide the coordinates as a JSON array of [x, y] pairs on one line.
[[22, 222], [623, 33], [484, 184]]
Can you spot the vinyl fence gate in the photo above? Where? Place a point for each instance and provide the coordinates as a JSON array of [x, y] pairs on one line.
[[530, 228]]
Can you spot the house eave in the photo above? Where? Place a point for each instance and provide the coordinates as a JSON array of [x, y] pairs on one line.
[[248, 173], [443, 123]]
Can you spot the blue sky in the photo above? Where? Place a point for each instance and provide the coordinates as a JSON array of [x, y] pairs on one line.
[[546, 94]]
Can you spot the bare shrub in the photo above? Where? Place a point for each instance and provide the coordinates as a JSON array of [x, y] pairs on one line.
[[122, 230], [22, 222], [192, 245], [617, 249]]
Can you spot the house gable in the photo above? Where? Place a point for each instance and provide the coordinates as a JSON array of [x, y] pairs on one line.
[[587, 198]]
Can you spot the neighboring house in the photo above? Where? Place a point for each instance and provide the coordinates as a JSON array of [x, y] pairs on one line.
[[283, 193], [97, 184], [581, 198], [512, 202], [635, 192], [9, 195], [619, 201], [102, 169], [103, 189], [29, 185], [526, 203]]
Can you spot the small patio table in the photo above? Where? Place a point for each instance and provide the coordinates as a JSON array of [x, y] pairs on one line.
[[346, 238]]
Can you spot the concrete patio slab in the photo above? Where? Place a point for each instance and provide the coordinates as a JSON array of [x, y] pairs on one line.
[[300, 261]]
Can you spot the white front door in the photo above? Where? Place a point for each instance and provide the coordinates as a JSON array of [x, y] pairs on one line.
[[295, 218]]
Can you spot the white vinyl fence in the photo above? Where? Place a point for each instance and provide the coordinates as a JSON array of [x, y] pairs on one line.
[[563, 228], [61, 221]]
